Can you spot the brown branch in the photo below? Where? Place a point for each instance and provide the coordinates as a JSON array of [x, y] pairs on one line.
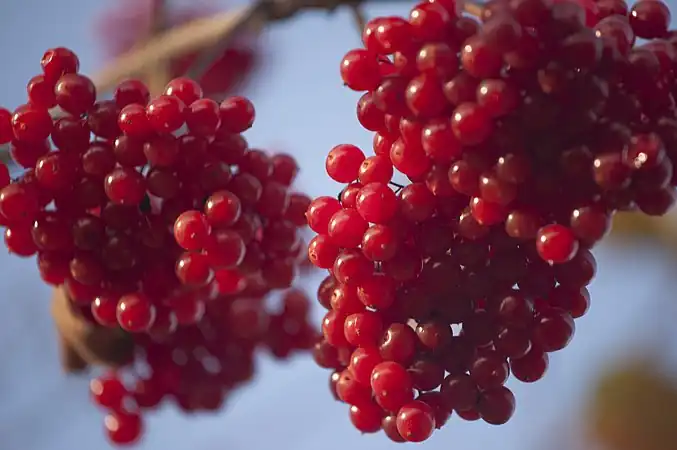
[[159, 17], [210, 34]]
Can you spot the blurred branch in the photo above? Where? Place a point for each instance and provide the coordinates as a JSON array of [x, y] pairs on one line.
[[159, 15], [210, 36]]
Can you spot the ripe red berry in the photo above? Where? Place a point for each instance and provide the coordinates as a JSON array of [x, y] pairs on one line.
[[194, 269], [416, 421], [185, 89], [359, 70], [75, 93], [376, 203], [320, 211], [392, 385], [41, 92], [191, 230], [166, 113], [108, 391], [31, 123], [556, 243], [131, 91], [59, 61], [125, 186], [203, 117], [237, 114], [135, 313], [343, 163], [123, 428]]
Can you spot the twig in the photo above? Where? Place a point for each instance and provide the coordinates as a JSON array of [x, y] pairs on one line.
[[211, 34], [358, 18], [159, 16], [178, 41]]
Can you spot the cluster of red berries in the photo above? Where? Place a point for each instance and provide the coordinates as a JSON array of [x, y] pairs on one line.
[[521, 134], [155, 216], [197, 367]]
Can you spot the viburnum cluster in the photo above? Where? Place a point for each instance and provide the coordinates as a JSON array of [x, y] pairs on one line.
[[521, 133], [155, 216]]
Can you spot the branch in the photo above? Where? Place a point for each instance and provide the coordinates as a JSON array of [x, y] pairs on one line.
[[209, 35]]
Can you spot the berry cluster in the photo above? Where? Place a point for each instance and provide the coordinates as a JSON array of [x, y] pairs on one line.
[[520, 134], [197, 367], [155, 216]]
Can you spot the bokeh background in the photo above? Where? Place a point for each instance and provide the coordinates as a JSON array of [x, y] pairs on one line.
[[302, 108]]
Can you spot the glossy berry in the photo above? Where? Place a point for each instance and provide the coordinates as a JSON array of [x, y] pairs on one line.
[[125, 186], [123, 428], [75, 93], [415, 421], [237, 114], [649, 19], [556, 243], [108, 391], [135, 313], [30, 123], [166, 113], [185, 89], [343, 163], [376, 203], [359, 70], [59, 61], [191, 230]]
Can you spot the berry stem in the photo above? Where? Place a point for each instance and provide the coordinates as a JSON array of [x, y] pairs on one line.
[[157, 76]]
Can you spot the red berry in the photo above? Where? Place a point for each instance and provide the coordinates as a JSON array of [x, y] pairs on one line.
[[237, 114], [496, 406], [75, 93], [41, 92], [108, 391], [416, 421], [125, 186], [319, 213], [59, 61], [135, 313], [343, 163], [376, 203], [31, 124], [166, 113], [191, 230], [131, 91], [359, 70], [123, 428], [185, 89], [392, 385], [366, 417], [556, 243]]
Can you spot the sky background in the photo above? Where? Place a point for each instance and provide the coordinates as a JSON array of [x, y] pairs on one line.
[[302, 108]]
